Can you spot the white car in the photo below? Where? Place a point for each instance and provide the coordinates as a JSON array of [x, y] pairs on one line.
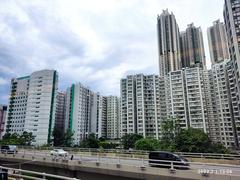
[[59, 152]]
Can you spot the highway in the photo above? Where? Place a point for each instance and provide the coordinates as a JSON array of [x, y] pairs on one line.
[[195, 166]]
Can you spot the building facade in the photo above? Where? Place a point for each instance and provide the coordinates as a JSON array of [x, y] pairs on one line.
[[149, 100], [98, 119], [192, 47], [140, 105], [113, 117], [3, 112], [79, 104], [232, 23], [222, 104], [60, 111], [32, 105], [89, 112], [168, 43], [186, 98], [176, 97], [217, 41]]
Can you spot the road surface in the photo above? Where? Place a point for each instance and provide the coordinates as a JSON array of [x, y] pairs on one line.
[[199, 167]]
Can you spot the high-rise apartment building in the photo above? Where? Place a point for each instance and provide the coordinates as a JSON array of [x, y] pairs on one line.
[[32, 105], [176, 97], [87, 112], [232, 23], [79, 103], [3, 112], [98, 120], [17, 105], [113, 117], [60, 111], [185, 98], [222, 103], [192, 47], [148, 100], [140, 105], [195, 95], [168, 43], [217, 41]]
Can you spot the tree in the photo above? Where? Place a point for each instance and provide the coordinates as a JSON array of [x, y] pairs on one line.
[[102, 139], [107, 145], [147, 144], [58, 137], [192, 140], [218, 148], [129, 140], [68, 138], [90, 142], [26, 138], [170, 129]]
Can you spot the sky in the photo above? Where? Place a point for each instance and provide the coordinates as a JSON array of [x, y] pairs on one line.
[[93, 42]]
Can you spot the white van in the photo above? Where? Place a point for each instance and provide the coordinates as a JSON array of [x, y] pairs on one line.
[[9, 149]]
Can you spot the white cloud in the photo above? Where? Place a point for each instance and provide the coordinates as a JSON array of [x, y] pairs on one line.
[[94, 42], [3, 81]]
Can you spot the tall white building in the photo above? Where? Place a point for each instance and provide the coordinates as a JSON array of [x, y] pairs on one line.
[[223, 104], [176, 97], [231, 18], [98, 119], [32, 105], [185, 98], [88, 112], [79, 104], [149, 100], [140, 105], [113, 117]]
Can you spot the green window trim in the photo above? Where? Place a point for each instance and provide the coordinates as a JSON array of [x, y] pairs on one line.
[[51, 108], [72, 106]]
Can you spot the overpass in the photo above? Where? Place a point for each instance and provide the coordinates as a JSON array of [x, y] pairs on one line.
[[114, 167]]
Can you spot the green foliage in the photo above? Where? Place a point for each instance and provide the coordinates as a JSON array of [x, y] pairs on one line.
[[102, 139], [176, 139], [192, 140], [90, 142], [107, 145], [129, 140], [57, 137], [170, 129], [68, 138], [25, 139], [147, 144], [218, 148]]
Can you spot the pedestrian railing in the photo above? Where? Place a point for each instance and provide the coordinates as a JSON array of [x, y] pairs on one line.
[[20, 173], [133, 153], [204, 169]]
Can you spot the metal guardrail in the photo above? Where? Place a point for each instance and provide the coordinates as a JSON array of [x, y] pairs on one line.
[[32, 174], [137, 152], [204, 169]]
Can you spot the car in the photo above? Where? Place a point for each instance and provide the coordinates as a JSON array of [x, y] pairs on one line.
[[164, 159], [59, 152], [9, 149]]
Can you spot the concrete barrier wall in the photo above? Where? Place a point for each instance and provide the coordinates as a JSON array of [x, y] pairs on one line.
[[74, 169]]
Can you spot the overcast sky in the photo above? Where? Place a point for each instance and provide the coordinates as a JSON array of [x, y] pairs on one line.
[[94, 42]]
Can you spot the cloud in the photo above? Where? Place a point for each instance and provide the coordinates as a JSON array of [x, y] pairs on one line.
[[3, 81], [93, 42]]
